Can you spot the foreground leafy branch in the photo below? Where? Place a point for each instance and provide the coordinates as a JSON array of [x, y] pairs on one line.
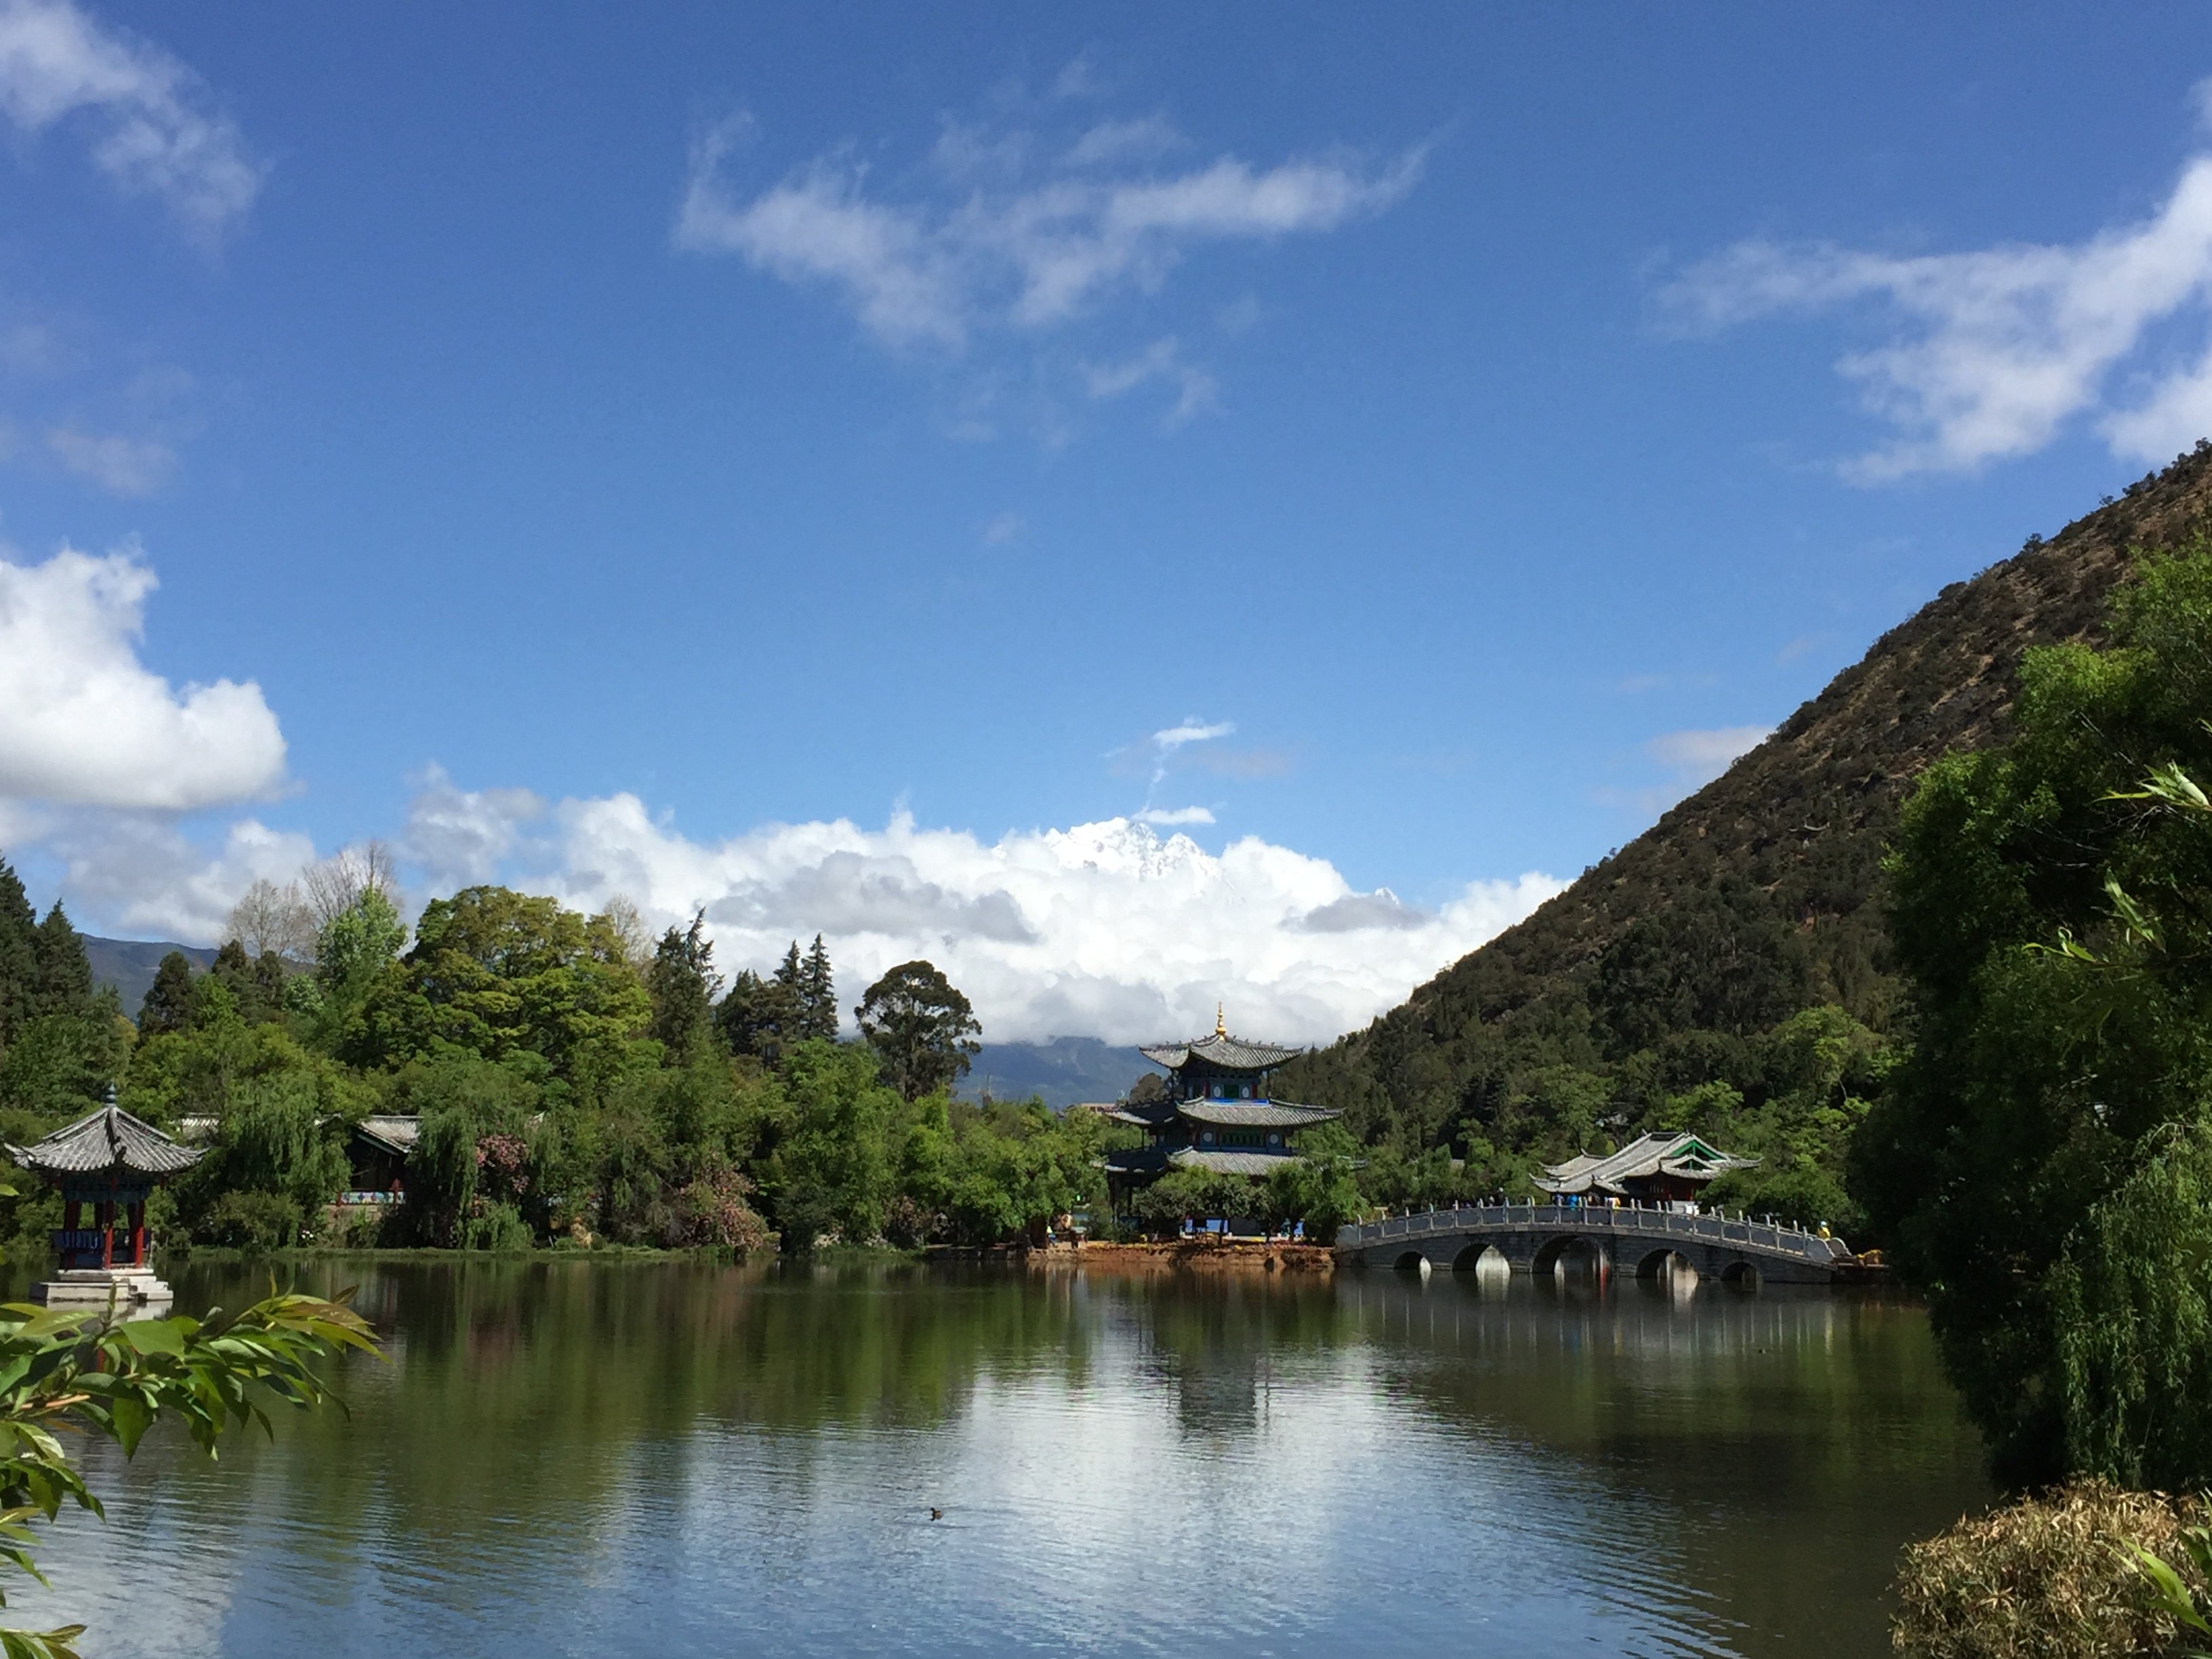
[[94, 1372]]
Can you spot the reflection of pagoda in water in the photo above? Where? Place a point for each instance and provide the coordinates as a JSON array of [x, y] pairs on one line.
[[1215, 1114]]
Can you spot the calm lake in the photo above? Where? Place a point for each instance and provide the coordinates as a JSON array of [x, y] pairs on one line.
[[573, 1457]]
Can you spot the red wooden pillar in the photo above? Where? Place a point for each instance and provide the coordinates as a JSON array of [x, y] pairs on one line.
[[138, 1235]]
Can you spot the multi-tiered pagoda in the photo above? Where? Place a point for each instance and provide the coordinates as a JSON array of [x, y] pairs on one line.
[[1216, 1115]]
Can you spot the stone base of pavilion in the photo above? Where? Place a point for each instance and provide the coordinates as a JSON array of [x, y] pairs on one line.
[[127, 1288]]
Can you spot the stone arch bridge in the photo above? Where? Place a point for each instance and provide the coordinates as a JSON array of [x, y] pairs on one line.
[[1632, 1242]]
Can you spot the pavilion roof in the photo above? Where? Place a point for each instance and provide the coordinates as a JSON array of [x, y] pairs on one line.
[[1678, 1154], [109, 1139], [1221, 1052], [1255, 1114]]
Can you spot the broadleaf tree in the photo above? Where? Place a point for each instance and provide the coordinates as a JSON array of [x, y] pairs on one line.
[[922, 1028]]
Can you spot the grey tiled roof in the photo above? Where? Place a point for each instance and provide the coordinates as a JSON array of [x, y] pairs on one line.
[[1218, 1049], [1679, 1153], [1256, 1114], [109, 1139], [394, 1134]]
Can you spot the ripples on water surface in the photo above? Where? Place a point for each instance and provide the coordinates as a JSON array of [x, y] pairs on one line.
[[670, 1459]]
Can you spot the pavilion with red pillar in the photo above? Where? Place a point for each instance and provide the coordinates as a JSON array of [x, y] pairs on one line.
[[106, 1165]]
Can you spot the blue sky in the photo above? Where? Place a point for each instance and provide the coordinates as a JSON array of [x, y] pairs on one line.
[[797, 461]]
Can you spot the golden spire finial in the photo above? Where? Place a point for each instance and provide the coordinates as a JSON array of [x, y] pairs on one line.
[[1220, 1025]]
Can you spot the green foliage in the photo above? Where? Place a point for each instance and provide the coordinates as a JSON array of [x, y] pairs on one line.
[[816, 994], [254, 1220], [98, 1373], [2050, 914], [503, 974], [830, 1172], [167, 1005], [923, 1030], [2132, 1302], [682, 983], [757, 1016], [61, 1041]]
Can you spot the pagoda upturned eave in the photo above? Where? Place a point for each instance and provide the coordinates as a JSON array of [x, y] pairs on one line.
[[1218, 1051], [107, 1140]]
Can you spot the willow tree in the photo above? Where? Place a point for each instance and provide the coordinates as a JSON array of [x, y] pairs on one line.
[[2040, 1163]]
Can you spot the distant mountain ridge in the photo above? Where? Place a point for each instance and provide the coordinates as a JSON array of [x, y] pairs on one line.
[[129, 964], [1061, 1072], [1780, 855]]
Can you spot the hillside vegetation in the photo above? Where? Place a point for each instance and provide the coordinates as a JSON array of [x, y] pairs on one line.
[[1730, 970]]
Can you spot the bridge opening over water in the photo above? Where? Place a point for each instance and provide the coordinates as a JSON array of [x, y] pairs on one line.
[[1637, 1243]]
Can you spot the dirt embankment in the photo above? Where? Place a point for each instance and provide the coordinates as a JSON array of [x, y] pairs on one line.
[[1189, 1255]]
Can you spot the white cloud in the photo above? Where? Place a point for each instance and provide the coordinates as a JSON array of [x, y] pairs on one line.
[[1700, 757], [141, 876], [1005, 528], [148, 115], [1144, 139], [119, 465], [83, 722], [1193, 730], [1998, 348], [1104, 929], [1162, 360], [1031, 253], [1167, 816], [460, 837]]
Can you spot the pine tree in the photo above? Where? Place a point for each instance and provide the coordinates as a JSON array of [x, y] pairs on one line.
[[168, 1004], [817, 995], [757, 1018], [63, 981], [19, 959], [682, 983], [792, 975]]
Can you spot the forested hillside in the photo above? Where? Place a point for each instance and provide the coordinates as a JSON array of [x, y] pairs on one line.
[[1729, 969]]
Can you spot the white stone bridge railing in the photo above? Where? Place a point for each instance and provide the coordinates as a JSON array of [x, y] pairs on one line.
[[1597, 1221]]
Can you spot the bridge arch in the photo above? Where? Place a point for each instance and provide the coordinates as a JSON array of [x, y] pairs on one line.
[[1578, 1249], [1411, 1262], [1480, 1255], [1743, 1275], [1657, 1262]]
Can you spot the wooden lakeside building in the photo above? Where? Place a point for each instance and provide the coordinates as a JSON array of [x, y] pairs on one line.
[[1217, 1114]]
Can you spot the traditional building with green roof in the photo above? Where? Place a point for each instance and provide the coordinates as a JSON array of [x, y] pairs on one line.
[[1216, 1115]]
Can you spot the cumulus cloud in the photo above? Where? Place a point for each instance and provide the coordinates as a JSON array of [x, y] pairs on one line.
[[148, 118], [1106, 929], [460, 837], [83, 722], [1990, 353], [1018, 246], [141, 876]]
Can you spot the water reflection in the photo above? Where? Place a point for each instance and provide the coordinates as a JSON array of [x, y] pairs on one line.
[[564, 1455]]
